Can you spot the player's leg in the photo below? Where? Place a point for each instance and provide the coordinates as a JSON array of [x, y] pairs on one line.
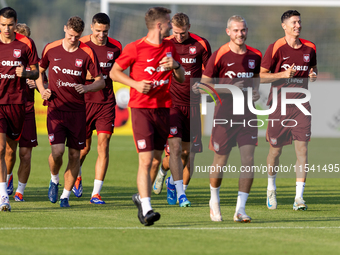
[[245, 182], [55, 160], [215, 184], [101, 166], [159, 170], [4, 199], [10, 158], [70, 175], [272, 161], [25, 155], [187, 160], [301, 150]]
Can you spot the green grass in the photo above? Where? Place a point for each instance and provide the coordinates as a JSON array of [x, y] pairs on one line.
[[39, 227]]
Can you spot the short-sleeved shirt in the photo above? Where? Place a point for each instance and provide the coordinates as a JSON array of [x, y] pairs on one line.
[[21, 51], [107, 54], [230, 67], [143, 59], [194, 55], [65, 70], [280, 56]]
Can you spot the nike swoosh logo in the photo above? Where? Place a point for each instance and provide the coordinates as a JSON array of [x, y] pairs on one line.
[[149, 60], [33, 140], [230, 64], [253, 137], [81, 143], [286, 58], [57, 59], [269, 205]]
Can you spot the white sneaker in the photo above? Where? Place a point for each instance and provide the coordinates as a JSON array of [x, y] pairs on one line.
[[4, 204], [299, 204], [158, 184], [215, 211], [240, 217], [271, 199]]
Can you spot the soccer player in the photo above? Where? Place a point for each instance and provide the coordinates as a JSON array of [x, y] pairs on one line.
[[28, 138], [100, 105], [194, 52], [68, 61], [288, 63], [232, 60], [153, 63], [17, 52]]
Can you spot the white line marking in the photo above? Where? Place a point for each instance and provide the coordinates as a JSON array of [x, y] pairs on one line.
[[158, 228]]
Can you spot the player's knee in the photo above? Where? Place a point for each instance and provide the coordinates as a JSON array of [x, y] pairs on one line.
[[274, 153], [185, 154], [25, 156], [86, 150]]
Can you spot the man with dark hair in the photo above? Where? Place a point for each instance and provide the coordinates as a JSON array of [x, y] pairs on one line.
[[185, 117], [153, 63], [68, 61], [288, 63], [17, 52], [100, 105]]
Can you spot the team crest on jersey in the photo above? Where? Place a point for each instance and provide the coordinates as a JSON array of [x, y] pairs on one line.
[[192, 50], [251, 63], [109, 55], [216, 146], [306, 58], [16, 53], [141, 144], [51, 137], [79, 62], [173, 131], [273, 141], [169, 54]]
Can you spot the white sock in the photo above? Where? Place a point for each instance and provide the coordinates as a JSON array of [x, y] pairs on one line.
[[185, 187], [161, 170], [21, 187], [97, 187], [3, 189], [300, 187], [214, 194], [179, 188], [146, 204], [172, 180], [241, 202], [55, 178], [66, 194], [271, 182], [79, 174], [9, 176]]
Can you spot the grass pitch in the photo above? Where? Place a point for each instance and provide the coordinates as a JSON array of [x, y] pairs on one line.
[[39, 227]]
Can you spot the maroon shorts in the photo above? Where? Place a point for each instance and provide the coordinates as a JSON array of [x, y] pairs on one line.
[[295, 125], [150, 128], [185, 122], [100, 117], [28, 137], [70, 125], [224, 137], [12, 118]]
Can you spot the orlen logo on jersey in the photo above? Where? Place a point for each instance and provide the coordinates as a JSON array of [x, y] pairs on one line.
[[79, 62], [56, 69], [151, 69], [109, 55], [16, 53], [297, 68], [10, 63], [188, 60], [192, 50], [103, 64], [232, 74]]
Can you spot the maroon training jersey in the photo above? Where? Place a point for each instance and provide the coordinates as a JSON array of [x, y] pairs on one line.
[[66, 69], [230, 67], [107, 54], [143, 58], [21, 51], [194, 55], [280, 56]]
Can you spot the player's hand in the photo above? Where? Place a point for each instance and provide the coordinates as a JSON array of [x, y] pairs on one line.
[[46, 94], [239, 84], [80, 88], [290, 72], [195, 87], [20, 71], [256, 95], [31, 84], [312, 75], [168, 63], [143, 86]]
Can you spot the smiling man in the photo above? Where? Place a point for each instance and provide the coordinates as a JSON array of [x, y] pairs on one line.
[[289, 57]]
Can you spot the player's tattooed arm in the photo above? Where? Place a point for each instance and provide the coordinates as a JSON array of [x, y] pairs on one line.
[[44, 92], [33, 74], [168, 63]]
